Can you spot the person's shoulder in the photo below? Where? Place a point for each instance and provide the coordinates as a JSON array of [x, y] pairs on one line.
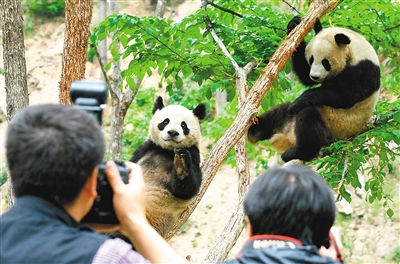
[[117, 251]]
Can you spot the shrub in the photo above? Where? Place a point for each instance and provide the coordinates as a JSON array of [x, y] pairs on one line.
[[46, 8]]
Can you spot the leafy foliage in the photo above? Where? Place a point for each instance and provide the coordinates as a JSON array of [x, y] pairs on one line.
[[193, 68], [45, 8], [185, 50]]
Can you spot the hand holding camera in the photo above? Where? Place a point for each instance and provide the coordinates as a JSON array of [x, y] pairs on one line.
[[91, 96]]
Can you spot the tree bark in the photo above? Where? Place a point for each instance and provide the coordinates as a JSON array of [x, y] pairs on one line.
[[249, 109], [121, 99], [103, 44], [16, 85], [160, 8], [115, 147], [78, 16], [221, 98]]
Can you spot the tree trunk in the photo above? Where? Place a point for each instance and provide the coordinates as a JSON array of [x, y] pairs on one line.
[[16, 85], [103, 44], [117, 120], [78, 16], [160, 8], [221, 98], [121, 99]]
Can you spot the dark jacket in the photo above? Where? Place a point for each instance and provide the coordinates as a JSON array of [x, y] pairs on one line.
[[36, 230], [278, 249]]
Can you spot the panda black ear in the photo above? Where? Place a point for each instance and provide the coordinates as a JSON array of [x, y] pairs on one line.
[[200, 111], [342, 39], [158, 105], [317, 26]]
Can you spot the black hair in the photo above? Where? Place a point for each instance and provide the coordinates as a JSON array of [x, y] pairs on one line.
[[292, 201], [52, 150]]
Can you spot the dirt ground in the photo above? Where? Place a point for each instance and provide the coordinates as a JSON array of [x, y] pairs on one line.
[[368, 234]]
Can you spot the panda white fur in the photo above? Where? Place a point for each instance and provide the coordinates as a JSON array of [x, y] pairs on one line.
[[345, 68], [170, 160]]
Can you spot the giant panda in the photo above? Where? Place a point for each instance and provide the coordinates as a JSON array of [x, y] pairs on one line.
[[343, 70], [170, 161]]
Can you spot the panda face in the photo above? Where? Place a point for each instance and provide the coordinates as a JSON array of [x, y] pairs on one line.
[[325, 57], [333, 49], [174, 126]]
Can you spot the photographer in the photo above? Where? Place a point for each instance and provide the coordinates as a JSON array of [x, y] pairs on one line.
[[289, 214], [52, 153]]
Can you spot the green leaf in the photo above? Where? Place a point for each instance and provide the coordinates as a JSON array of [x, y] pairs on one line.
[[191, 41], [107, 67], [396, 117], [345, 194], [131, 82], [389, 212], [93, 39], [208, 93], [179, 82], [124, 40], [149, 31]]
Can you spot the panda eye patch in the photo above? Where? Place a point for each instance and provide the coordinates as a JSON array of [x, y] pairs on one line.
[[326, 64], [311, 60], [163, 124], [185, 128]]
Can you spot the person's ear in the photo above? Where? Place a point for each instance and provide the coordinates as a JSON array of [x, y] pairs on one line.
[[249, 228], [91, 184]]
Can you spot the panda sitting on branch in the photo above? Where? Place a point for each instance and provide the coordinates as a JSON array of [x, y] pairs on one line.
[[170, 161], [344, 68]]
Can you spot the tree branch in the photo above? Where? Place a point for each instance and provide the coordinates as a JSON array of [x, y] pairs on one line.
[[209, 2], [293, 9], [107, 80]]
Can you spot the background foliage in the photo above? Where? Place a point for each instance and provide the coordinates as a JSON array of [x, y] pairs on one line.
[[193, 68], [44, 8]]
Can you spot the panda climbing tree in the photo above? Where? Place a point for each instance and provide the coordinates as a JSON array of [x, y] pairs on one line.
[[344, 67]]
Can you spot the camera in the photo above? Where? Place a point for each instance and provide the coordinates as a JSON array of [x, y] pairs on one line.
[[90, 96]]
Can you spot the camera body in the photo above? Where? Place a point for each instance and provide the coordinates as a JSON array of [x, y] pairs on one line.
[[102, 211], [90, 95]]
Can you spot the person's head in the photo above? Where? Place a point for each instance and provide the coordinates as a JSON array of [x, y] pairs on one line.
[[292, 201], [52, 150]]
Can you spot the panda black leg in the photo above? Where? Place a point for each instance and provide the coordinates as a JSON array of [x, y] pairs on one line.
[[268, 123], [311, 136]]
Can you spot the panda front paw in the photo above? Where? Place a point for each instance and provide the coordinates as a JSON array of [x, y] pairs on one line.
[[182, 152], [292, 24], [182, 162]]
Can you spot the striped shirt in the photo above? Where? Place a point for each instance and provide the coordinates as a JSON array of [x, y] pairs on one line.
[[117, 251]]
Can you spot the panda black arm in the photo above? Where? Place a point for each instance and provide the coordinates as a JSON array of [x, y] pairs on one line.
[[142, 150], [299, 63], [353, 85], [188, 186]]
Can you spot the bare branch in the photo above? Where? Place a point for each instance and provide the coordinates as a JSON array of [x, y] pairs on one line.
[[346, 163], [103, 70], [293, 9], [221, 45], [222, 8]]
